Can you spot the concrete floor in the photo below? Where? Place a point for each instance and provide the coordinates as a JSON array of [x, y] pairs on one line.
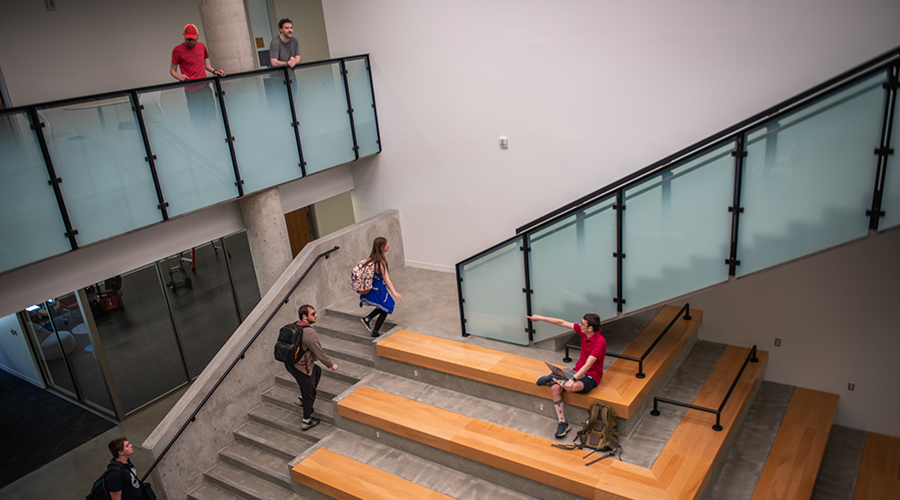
[[73, 474]]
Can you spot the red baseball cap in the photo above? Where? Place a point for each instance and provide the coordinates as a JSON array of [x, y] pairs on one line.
[[190, 31]]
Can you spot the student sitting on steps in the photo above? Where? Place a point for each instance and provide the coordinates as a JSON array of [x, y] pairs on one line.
[[588, 369]]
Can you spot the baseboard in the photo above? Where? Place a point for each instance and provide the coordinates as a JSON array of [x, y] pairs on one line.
[[432, 267]]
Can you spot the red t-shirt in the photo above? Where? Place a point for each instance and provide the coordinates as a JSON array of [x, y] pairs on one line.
[[191, 61], [594, 346]]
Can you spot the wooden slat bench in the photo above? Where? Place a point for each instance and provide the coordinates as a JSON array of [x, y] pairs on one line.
[[619, 388], [346, 479], [690, 455], [879, 470], [793, 463]]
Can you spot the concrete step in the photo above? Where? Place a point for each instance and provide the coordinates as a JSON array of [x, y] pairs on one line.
[[247, 485], [256, 461], [410, 467], [352, 316], [339, 350], [271, 440], [329, 386], [286, 398], [206, 491], [288, 421], [346, 327]]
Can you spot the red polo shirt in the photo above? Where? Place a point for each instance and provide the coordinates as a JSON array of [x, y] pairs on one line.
[[594, 346]]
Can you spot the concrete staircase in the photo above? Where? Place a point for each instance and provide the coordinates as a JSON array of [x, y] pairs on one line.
[[259, 463]]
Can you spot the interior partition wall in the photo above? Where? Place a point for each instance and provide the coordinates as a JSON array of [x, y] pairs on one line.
[[816, 171], [83, 170]]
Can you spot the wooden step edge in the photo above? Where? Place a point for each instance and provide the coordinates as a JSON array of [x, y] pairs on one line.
[[499, 447], [792, 466], [326, 472], [688, 461], [879, 469]]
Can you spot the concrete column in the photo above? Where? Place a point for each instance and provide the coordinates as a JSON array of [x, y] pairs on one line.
[[268, 236], [227, 34]]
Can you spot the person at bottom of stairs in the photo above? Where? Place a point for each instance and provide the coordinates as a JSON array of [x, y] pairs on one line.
[[306, 372]]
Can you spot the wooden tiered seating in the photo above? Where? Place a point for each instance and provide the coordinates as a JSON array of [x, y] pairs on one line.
[[619, 388], [793, 463], [346, 479], [879, 470], [681, 472]]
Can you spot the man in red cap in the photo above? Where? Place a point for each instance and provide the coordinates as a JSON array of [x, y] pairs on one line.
[[192, 59]]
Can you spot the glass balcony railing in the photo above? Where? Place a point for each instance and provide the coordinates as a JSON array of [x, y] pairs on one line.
[[82, 170], [813, 172]]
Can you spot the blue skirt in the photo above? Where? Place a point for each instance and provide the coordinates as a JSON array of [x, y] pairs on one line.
[[378, 296]]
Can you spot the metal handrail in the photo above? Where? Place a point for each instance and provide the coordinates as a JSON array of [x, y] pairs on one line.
[[751, 357], [235, 362], [686, 309]]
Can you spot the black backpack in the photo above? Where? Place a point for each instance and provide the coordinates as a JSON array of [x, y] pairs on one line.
[[99, 491], [289, 346]]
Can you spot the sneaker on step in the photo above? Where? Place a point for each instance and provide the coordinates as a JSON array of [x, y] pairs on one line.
[[545, 380], [299, 402], [365, 322], [309, 423], [562, 429], [376, 334]]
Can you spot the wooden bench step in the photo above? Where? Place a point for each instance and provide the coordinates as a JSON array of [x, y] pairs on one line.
[[879, 470], [619, 388], [689, 457], [330, 473], [793, 463]]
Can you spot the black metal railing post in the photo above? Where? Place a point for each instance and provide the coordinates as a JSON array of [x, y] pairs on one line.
[[374, 109], [619, 255], [462, 308], [220, 94], [529, 325], [884, 147], [739, 154], [350, 116], [240, 356], [38, 126], [138, 109], [294, 122]]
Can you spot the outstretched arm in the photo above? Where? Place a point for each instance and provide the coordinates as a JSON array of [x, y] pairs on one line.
[[387, 281], [552, 321]]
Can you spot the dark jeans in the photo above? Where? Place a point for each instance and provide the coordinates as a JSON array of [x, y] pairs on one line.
[[378, 322], [308, 384]]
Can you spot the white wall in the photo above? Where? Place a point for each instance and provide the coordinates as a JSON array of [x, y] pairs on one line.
[[88, 47], [586, 91], [14, 354]]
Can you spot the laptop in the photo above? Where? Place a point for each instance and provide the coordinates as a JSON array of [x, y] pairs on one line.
[[561, 374]]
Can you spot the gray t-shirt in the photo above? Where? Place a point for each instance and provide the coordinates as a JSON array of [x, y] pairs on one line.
[[284, 51]]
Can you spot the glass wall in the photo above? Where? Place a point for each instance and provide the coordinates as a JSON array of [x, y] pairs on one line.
[[809, 177], [147, 332], [494, 287], [573, 271], [31, 226], [121, 161], [677, 229], [806, 181]]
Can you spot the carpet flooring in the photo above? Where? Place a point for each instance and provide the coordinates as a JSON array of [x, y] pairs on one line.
[[37, 427]]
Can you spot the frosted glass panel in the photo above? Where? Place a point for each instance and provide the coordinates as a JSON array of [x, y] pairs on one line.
[[677, 229], [494, 302], [259, 115], [890, 200], [98, 153], [573, 271], [187, 136], [321, 106], [808, 177], [363, 107], [31, 227]]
